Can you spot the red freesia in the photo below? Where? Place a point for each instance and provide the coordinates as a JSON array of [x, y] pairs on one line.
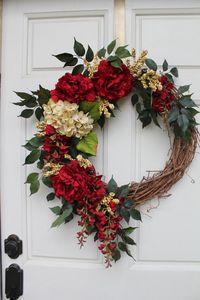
[[112, 83], [78, 184], [74, 88], [55, 145], [162, 100]]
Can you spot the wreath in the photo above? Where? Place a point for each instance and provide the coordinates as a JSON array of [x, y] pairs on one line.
[[65, 139]]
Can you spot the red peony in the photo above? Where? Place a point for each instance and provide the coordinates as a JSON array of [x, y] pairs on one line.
[[55, 145], [73, 88], [162, 100], [112, 83], [78, 184]]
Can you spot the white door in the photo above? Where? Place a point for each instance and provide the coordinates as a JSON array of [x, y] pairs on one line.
[[168, 245]]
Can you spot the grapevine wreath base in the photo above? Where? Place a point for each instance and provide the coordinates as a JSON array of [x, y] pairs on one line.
[[161, 182], [65, 139]]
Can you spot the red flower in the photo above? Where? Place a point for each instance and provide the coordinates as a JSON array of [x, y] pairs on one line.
[[78, 184], [112, 83], [162, 100], [74, 88], [55, 145]]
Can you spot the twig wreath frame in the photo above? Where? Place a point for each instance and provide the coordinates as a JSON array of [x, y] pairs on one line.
[[66, 140]]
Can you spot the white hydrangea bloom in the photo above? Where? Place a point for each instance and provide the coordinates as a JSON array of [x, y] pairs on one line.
[[67, 119]]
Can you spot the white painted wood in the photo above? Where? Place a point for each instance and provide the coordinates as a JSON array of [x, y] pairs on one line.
[[167, 255]]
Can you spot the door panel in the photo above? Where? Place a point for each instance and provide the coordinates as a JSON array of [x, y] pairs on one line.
[[167, 255]]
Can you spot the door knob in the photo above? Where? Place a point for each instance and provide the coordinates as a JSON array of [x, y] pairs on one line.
[[13, 246], [14, 282]]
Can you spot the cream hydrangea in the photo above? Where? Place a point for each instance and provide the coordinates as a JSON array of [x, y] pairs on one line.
[[67, 119]]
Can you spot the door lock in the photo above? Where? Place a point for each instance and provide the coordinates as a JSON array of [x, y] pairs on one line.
[[13, 246]]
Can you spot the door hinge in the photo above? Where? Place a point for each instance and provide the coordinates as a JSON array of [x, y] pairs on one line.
[[14, 282]]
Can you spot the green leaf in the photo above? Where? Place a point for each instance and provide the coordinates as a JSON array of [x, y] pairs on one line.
[[101, 53], [117, 255], [111, 186], [116, 63], [32, 157], [122, 191], [88, 144], [47, 181], [39, 113], [26, 113], [125, 214], [111, 46], [186, 101], [128, 240], [122, 52], [40, 164], [165, 65], [89, 54], [173, 114], [86, 73], [72, 62], [64, 57], [21, 103], [193, 111], [29, 147], [62, 217], [31, 103], [24, 96], [183, 122], [32, 177], [34, 187], [50, 197], [174, 71], [43, 95], [138, 108], [128, 202], [154, 117], [78, 69], [134, 99], [56, 210], [122, 246], [183, 89], [36, 141], [145, 118], [129, 230], [135, 214], [78, 48], [151, 64], [92, 108], [101, 121], [170, 77]]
